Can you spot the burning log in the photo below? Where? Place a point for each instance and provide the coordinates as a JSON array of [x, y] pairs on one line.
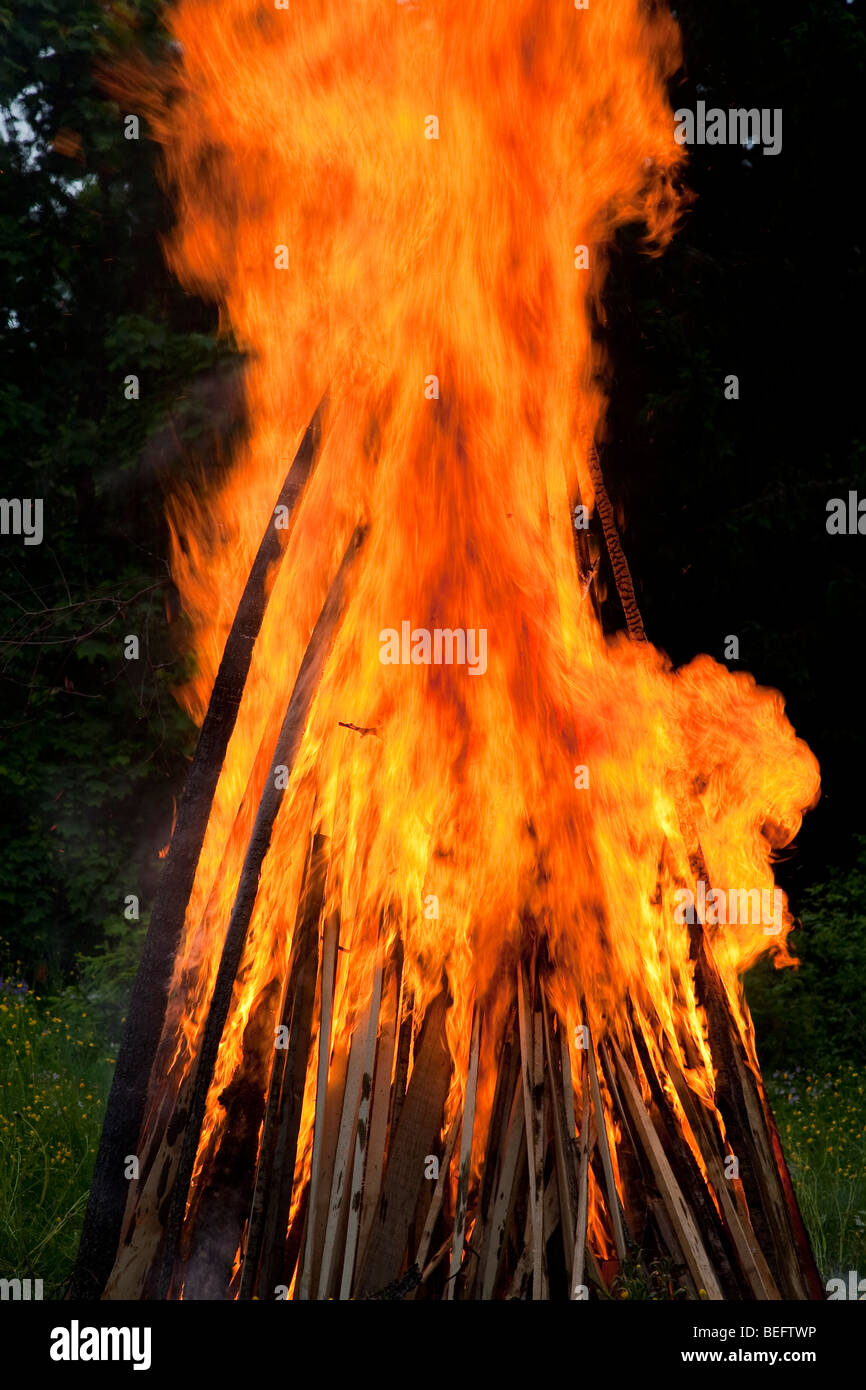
[[742, 1103], [604, 1149], [681, 1217], [125, 1108], [329, 964], [435, 1208], [505, 1196], [513, 1229], [616, 555], [420, 1121], [533, 1100], [467, 1128], [577, 1284], [343, 1225], [284, 756], [276, 1156], [375, 1164], [562, 1098], [749, 1255], [353, 1129], [216, 1220]]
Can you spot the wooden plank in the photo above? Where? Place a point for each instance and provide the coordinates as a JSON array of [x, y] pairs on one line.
[[522, 1274], [404, 1049], [616, 554], [540, 1228], [279, 1154], [567, 1081], [291, 1015], [525, 1028], [507, 1076], [330, 942], [375, 1167], [563, 1144], [505, 1195], [361, 1133], [419, 1125], [797, 1271], [438, 1196], [749, 1126], [751, 1258], [604, 1150], [582, 1147], [524, 1266], [465, 1155], [352, 1097], [436, 1260], [125, 1109], [533, 1099], [577, 1268], [685, 1168], [221, 1207], [318, 1220], [189, 1115], [680, 1216]]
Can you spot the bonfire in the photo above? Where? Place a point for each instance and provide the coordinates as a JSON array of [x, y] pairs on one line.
[[420, 1013]]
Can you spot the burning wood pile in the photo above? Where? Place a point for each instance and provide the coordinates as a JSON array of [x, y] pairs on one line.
[[418, 1014]]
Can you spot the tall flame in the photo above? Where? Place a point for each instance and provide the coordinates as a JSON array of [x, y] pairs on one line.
[[388, 200]]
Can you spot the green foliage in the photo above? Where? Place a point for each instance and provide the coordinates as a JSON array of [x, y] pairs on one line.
[[105, 978], [814, 1017], [54, 1077], [94, 747], [654, 1282], [822, 1124]]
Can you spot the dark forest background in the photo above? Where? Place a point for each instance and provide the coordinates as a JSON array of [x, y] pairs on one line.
[[724, 502]]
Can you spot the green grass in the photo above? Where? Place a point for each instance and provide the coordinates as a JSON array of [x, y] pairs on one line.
[[54, 1077], [822, 1125]]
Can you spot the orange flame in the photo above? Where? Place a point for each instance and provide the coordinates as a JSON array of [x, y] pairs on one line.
[[389, 201]]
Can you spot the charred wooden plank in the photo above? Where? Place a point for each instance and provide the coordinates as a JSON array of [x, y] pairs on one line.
[[465, 1155], [280, 1141], [216, 1221], [720, 1248], [362, 1132], [507, 1076], [375, 1166], [773, 1208], [578, 1288], [436, 1200], [532, 1073], [124, 1110], [681, 1217], [191, 1111], [418, 1127], [751, 1257], [330, 940], [604, 1150], [404, 1049], [504, 1195]]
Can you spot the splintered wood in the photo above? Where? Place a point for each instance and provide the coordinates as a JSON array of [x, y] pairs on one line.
[[532, 1206], [348, 1156]]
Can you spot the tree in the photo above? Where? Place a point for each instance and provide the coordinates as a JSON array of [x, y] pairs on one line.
[[94, 746]]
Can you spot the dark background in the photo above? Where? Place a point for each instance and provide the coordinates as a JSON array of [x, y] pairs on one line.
[[724, 502]]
